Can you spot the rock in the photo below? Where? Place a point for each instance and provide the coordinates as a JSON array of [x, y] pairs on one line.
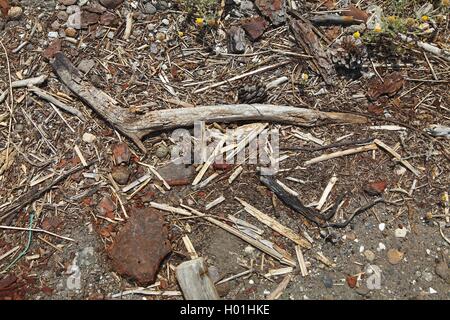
[[88, 18], [89, 137], [121, 153], [443, 271], [160, 36], [370, 256], [363, 290], [74, 20], [162, 151], [15, 13], [109, 19], [254, 27], [70, 32], [394, 256], [53, 35], [177, 174], [86, 65], [52, 49], [165, 22], [236, 40], [400, 232], [111, 4], [375, 188], [352, 281], [67, 2], [249, 250], [351, 236], [327, 282], [120, 174], [214, 274], [149, 8], [95, 8], [162, 5], [140, 246], [223, 289], [382, 226], [274, 10], [55, 25], [62, 16], [427, 276], [106, 207], [247, 5]]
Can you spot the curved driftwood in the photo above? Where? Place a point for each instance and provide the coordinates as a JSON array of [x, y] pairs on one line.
[[136, 127]]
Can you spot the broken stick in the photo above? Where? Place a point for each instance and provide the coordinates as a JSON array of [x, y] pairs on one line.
[[195, 282], [137, 127]]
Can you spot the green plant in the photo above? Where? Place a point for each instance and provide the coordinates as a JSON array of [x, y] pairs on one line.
[[200, 8]]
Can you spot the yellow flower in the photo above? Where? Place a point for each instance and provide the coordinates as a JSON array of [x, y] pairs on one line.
[[199, 21], [391, 19], [425, 18], [377, 28], [180, 34], [356, 35], [305, 77]]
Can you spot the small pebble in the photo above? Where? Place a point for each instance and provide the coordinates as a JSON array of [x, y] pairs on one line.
[[70, 32], [400, 232], [249, 250], [381, 247], [165, 22], [120, 174], [15, 13], [89, 137], [370, 256], [160, 36], [394, 256], [162, 151], [427, 276], [382, 226], [327, 282], [53, 34], [432, 291]]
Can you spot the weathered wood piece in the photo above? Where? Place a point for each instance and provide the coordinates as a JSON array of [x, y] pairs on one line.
[[195, 282], [137, 127], [307, 39]]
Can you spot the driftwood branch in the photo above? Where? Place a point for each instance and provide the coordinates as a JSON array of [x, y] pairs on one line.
[[137, 127]]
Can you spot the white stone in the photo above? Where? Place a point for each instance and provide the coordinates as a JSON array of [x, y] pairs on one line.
[[400, 232], [382, 226], [381, 247], [88, 137], [432, 291], [53, 34]]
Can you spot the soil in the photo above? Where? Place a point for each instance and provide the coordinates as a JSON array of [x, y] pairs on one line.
[[131, 72]]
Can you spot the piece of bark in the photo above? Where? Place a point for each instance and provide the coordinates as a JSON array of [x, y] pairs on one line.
[[137, 127], [307, 39], [195, 282]]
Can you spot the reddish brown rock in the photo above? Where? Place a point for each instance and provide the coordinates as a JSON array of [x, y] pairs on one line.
[[106, 207], [109, 19], [121, 153], [95, 8], [177, 174], [88, 18], [352, 281], [52, 49], [274, 10], [111, 4], [254, 27], [120, 174], [375, 188], [140, 246]]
